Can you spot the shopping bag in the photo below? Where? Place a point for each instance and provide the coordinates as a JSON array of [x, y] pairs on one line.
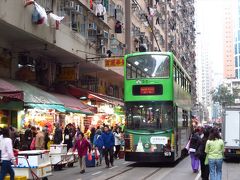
[[32, 146], [97, 154], [188, 145], [206, 160], [90, 156]]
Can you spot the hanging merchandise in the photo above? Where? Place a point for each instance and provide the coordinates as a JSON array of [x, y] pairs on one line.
[[91, 4], [28, 2], [55, 20], [39, 15]]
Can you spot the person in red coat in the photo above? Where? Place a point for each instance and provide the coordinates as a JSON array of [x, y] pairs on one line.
[[82, 145]]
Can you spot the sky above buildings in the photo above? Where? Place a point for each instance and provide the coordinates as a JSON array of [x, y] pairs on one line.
[[209, 17]]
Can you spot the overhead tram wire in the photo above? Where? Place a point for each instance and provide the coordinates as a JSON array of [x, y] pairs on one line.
[[145, 14]]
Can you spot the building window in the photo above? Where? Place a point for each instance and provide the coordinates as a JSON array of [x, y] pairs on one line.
[[236, 61]]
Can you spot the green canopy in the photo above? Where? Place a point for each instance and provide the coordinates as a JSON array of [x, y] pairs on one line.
[[58, 107], [37, 98]]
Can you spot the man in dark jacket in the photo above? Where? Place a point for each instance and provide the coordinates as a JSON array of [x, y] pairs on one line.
[[57, 139], [108, 144]]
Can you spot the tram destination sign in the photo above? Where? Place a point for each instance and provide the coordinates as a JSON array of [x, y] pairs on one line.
[[147, 89]]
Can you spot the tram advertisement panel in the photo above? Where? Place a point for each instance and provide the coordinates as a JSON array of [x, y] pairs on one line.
[[149, 142]]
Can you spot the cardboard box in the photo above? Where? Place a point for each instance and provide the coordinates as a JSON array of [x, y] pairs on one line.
[[35, 158], [58, 149]]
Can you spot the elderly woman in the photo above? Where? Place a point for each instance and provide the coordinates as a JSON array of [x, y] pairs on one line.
[[82, 145]]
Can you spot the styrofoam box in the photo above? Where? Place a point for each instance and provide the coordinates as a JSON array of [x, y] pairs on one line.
[[35, 158], [58, 149], [41, 171], [57, 159]]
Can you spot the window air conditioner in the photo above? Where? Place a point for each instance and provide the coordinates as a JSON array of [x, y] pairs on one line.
[[103, 50], [71, 4], [105, 34], [92, 26], [77, 8]]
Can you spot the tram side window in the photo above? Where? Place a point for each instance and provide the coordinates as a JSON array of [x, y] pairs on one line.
[[185, 118]]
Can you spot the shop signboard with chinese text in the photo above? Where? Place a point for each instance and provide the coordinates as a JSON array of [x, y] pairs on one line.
[[114, 62], [67, 74]]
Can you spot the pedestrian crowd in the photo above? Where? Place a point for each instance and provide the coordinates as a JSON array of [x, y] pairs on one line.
[[206, 149], [93, 143]]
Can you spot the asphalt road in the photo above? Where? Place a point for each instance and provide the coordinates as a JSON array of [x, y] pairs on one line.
[[134, 171]]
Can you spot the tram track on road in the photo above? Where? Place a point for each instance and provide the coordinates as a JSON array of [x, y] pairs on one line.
[[151, 174], [120, 173], [132, 168]]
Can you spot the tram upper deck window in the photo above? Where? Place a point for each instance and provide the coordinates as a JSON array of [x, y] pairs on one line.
[[148, 66]]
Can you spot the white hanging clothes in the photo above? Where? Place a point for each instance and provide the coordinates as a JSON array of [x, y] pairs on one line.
[[100, 10]]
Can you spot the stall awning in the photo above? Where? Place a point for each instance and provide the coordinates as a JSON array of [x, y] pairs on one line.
[[9, 90], [72, 104], [98, 98], [57, 107], [37, 98]]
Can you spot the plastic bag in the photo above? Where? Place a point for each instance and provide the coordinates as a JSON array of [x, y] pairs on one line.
[[90, 156], [55, 20], [39, 15], [97, 154], [28, 2], [187, 146]]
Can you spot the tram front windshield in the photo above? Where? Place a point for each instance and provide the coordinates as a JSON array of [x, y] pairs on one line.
[[149, 116]]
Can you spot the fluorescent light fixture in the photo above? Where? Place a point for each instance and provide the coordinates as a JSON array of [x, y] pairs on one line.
[[129, 64], [83, 98], [141, 106], [150, 108], [145, 69]]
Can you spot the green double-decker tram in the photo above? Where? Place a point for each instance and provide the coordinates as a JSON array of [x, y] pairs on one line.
[[157, 95]]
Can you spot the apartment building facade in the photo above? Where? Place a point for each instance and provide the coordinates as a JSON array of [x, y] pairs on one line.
[[86, 48]]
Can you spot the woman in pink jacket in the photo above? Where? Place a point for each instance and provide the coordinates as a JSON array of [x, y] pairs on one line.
[[82, 145]]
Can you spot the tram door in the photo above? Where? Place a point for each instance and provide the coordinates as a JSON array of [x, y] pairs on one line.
[[176, 131]]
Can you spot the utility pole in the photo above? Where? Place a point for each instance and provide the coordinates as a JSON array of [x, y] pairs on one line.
[[166, 27], [128, 26]]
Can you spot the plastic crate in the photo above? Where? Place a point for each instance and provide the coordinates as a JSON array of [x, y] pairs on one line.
[[16, 178]]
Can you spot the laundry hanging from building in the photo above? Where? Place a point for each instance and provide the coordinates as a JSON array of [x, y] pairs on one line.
[[100, 11]]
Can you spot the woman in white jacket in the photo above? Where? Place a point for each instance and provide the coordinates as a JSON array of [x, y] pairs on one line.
[[7, 156], [117, 136]]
